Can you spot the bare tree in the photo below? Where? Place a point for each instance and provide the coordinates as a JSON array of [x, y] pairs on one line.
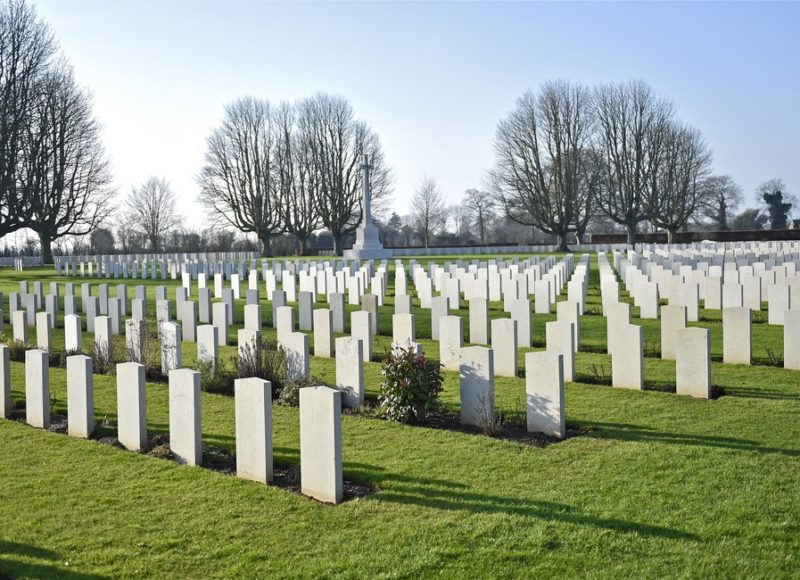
[[685, 164], [298, 182], [239, 181], [337, 143], [481, 208], [632, 123], [26, 51], [462, 221], [721, 197], [153, 210], [538, 177], [428, 210], [64, 173]]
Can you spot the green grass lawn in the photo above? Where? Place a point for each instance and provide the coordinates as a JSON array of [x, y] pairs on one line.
[[650, 484]]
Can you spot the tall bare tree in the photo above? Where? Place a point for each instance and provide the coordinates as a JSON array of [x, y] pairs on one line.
[[586, 210], [298, 182], [721, 197], [26, 51], [239, 181], [540, 147], [685, 164], [632, 123], [480, 207], [337, 143], [64, 174], [153, 210], [428, 210]]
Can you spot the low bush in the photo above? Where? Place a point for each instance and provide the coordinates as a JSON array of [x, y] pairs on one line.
[[410, 387], [263, 360], [215, 378]]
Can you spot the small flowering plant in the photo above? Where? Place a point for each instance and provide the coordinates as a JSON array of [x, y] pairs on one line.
[[411, 385]]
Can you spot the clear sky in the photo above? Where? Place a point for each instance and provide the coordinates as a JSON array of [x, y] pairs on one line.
[[432, 79]]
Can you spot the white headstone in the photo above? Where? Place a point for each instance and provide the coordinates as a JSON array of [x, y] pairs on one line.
[[5, 381], [80, 396], [207, 344], [37, 389], [350, 370], [476, 385], [544, 389], [131, 406], [737, 336], [692, 363], [627, 363], [321, 475], [253, 401], [185, 439], [504, 343], [451, 340], [360, 329], [295, 346], [560, 338], [479, 321]]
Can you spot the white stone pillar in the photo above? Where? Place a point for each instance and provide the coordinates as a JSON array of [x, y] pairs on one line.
[[451, 340], [131, 406], [737, 335], [297, 356], [544, 389], [321, 474], [253, 401], [37, 389], [438, 309], [185, 436], [323, 333], [360, 329], [476, 384], [207, 344], [627, 363], [171, 347], [403, 329], [219, 315], [692, 363], [252, 317], [80, 396], [560, 339], [791, 339], [504, 343], [479, 321], [673, 318], [350, 370], [43, 338], [5, 381]]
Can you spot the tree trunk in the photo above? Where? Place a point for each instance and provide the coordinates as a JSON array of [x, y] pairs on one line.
[[303, 246], [561, 240], [631, 234], [337, 244], [47, 249], [671, 235], [265, 246]]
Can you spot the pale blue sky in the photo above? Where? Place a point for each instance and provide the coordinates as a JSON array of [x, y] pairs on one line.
[[432, 79]]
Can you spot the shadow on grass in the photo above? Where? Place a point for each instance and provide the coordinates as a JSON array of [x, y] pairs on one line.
[[628, 432], [758, 393], [52, 567], [448, 495]]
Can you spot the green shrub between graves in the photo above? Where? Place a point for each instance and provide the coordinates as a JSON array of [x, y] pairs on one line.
[[410, 387]]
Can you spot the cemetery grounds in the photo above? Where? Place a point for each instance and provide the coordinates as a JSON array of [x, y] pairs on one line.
[[647, 484]]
